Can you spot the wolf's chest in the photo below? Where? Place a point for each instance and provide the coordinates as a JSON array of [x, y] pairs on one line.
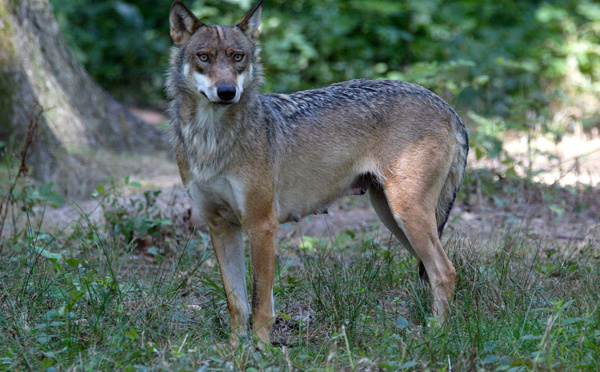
[[223, 194], [207, 146]]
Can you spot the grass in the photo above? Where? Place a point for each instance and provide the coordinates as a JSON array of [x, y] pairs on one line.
[[142, 292]]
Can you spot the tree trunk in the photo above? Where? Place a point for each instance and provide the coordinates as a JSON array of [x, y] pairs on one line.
[[38, 71]]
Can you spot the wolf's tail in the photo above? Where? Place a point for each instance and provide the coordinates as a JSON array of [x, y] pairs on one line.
[[455, 176]]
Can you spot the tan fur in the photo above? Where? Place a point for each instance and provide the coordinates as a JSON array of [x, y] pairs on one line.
[[251, 162]]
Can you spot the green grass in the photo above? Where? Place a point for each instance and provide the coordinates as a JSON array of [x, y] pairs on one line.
[[143, 293]]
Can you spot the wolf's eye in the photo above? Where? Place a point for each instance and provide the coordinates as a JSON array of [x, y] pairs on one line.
[[203, 57], [238, 57]]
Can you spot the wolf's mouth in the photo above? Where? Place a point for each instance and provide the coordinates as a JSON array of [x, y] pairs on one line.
[[221, 103]]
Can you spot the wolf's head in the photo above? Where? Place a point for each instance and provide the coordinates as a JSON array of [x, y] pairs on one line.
[[216, 62]]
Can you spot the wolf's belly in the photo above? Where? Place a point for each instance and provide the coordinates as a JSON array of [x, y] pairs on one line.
[[301, 200]]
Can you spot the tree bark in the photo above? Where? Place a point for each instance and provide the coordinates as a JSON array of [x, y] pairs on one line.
[[38, 71]]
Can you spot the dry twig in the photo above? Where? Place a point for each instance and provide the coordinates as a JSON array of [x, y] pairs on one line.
[[7, 201]]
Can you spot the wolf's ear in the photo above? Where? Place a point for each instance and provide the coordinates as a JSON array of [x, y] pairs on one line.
[[183, 23], [249, 24]]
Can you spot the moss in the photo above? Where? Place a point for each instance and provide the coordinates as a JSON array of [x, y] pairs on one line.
[[7, 57], [7, 47]]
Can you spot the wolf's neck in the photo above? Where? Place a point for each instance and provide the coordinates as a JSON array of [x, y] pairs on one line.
[[209, 115], [210, 135]]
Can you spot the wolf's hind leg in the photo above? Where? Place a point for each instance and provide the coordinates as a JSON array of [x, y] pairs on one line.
[[229, 249], [382, 208], [412, 206]]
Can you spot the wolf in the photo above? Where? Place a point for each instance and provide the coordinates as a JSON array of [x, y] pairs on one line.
[[251, 162]]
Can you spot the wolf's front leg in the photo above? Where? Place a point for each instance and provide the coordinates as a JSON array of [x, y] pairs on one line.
[[229, 248], [261, 232]]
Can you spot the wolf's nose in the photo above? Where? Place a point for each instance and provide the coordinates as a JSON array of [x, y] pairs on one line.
[[226, 92]]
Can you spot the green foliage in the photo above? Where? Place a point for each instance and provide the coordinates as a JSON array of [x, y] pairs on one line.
[[133, 219], [29, 196], [123, 45], [513, 48]]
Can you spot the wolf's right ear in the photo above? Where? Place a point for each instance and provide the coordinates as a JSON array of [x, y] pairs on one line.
[[183, 23]]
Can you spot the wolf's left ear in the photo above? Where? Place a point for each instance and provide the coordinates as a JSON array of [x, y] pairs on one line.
[[250, 22], [183, 23]]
